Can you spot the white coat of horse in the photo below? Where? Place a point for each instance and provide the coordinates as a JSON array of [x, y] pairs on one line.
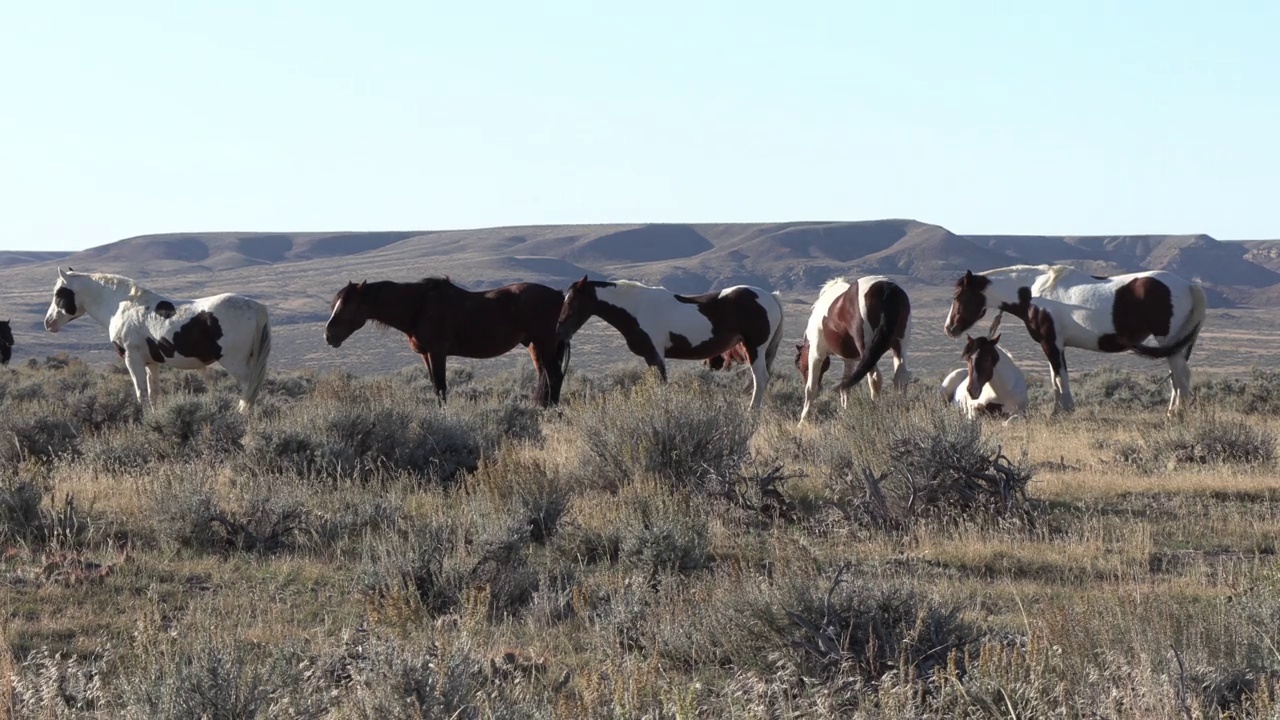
[[149, 330]]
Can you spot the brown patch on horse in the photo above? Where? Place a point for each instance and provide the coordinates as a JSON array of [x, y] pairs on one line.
[[968, 303], [1142, 307], [197, 338], [842, 327], [736, 317], [1041, 328], [64, 298], [165, 309], [981, 355]]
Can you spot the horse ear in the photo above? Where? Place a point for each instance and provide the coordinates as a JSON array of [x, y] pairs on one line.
[[61, 274], [361, 285], [583, 282], [995, 340]]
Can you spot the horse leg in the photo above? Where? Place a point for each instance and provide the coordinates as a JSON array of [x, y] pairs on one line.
[[901, 375], [1058, 375], [874, 382], [436, 369], [153, 383], [542, 369], [849, 367], [1180, 378], [814, 386], [137, 366]]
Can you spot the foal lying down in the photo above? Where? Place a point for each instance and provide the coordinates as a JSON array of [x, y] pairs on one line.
[[990, 384]]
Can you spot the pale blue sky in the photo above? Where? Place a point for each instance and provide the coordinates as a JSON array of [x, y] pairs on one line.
[[122, 118]]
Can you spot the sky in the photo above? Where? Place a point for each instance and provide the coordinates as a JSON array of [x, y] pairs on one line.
[[129, 117]]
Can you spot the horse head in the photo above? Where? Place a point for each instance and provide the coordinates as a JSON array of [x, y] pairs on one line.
[[981, 355], [968, 304], [579, 305], [64, 307], [350, 312], [802, 360]]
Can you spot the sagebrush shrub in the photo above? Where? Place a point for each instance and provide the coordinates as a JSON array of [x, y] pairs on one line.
[[672, 432]]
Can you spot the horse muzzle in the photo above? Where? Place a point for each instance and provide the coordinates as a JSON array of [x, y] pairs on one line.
[[52, 326], [333, 341]]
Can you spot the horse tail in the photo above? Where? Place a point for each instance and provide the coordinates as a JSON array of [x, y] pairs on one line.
[[1190, 330], [257, 360], [775, 342], [881, 339]]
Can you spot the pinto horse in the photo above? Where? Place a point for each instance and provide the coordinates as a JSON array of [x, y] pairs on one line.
[[859, 322], [1065, 307], [991, 383], [149, 330], [442, 319], [658, 324], [6, 342]]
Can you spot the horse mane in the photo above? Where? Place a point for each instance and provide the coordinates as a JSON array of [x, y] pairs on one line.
[[119, 282], [437, 283], [832, 283]]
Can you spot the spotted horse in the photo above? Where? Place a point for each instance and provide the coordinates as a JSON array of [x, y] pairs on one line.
[[859, 321], [1064, 307], [149, 330], [659, 325], [991, 383]]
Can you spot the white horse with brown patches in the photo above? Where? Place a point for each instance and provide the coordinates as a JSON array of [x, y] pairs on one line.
[[658, 324], [149, 330], [991, 383], [1064, 307], [859, 322]]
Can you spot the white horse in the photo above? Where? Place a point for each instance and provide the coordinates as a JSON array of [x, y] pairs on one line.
[[149, 330], [658, 324], [1065, 307], [991, 383]]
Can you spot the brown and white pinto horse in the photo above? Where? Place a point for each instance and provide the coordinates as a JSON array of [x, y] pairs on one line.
[[659, 324], [442, 319], [1065, 307], [860, 322]]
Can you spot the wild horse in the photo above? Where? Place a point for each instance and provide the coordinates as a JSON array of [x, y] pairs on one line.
[[442, 319], [149, 330], [860, 322], [1064, 307], [658, 324]]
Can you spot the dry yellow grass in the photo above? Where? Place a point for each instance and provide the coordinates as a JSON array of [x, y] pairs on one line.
[[579, 566]]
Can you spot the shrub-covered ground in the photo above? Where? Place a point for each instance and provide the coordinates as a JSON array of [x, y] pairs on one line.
[[354, 551]]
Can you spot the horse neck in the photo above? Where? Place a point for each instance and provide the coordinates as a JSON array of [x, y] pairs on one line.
[[621, 308], [101, 301], [1007, 377], [396, 305]]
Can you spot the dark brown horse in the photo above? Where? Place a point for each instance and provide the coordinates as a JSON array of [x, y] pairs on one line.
[[442, 319], [6, 342]]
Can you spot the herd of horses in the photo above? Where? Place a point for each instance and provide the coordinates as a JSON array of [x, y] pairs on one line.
[[859, 321]]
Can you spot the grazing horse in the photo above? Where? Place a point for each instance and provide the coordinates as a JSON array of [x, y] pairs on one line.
[[658, 324], [442, 319], [149, 330], [991, 383], [859, 322], [736, 355], [1065, 307], [6, 342]]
